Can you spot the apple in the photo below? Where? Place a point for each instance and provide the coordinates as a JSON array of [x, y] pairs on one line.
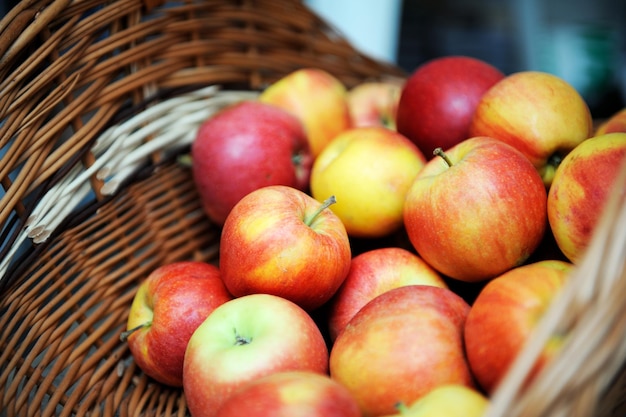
[[374, 103], [281, 241], [168, 306], [449, 400], [477, 210], [244, 147], [504, 315], [540, 114], [614, 124], [245, 339], [580, 189], [369, 170], [439, 98], [372, 273], [317, 98], [291, 394], [400, 345]]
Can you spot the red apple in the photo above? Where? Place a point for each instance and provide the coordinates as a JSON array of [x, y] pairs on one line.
[[168, 307], [374, 103], [243, 340], [401, 345], [439, 98], [580, 189], [504, 315], [317, 98], [476, 211], [372, 273], [279, 240], [538, 113], [244, 147], [291, 394]]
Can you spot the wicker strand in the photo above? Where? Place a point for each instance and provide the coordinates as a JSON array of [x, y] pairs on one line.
[[120, 151]]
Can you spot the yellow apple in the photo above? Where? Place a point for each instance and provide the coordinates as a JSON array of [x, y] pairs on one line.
[[374, 103], [369, 170], [540, 114], [317, 98], [449, 400]]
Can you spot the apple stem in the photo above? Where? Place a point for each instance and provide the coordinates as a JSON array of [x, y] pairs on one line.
[[124, 335], [240, 340], [401, 407], [442, 154], [327, 203], [555, 159]]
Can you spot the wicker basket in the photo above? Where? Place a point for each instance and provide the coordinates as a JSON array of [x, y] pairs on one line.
[[97, 100]]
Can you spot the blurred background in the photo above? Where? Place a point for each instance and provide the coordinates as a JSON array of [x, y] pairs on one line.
[[582, 41]]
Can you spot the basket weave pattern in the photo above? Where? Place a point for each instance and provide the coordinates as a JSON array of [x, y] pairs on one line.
[[86, 89], [76, 68], [73, 76]]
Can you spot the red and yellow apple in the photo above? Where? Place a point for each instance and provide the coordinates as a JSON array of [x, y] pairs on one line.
[[439, 98], [374, 103], [279, 240], [169, 305], [245, 339], [244, 147], [291, 394], [538, 113], [581, 186], [400, 345], [317, 98], [372, 273], [369, 170], [614, 124], [504, 315], [449, 400], [477, 210]]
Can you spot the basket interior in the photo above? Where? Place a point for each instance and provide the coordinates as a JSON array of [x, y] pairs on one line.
[[69, 71]]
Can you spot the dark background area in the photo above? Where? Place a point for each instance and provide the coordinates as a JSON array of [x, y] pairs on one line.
[[583, 41]]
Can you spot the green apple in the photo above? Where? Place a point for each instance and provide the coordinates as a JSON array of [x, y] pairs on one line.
[[244, 339]]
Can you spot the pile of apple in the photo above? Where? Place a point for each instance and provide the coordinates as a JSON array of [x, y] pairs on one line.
[[349, 217]]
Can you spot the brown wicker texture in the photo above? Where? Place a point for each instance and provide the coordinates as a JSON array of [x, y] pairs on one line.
[[70, 69], [72, 74]]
